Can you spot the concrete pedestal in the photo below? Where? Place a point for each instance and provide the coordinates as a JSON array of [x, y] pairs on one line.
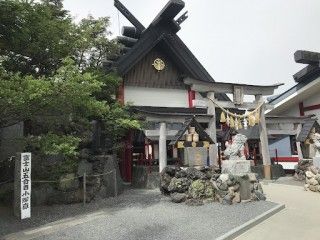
[[316, 162], [236, 167]]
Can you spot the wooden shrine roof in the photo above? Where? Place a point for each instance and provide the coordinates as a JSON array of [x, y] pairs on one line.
[[203, 136], [163, 31], [312, 70]]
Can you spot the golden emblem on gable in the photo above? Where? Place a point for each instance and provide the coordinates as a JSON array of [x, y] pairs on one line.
[[158, 64]]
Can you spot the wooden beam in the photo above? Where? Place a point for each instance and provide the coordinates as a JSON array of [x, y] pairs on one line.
[[170, 10], [245, 105], [182, 18], [175, 119], [273, 119], [306, 73], [312, 107], [281, 132], [128, 15], [220, 87], [127, 41], [156, 133], [307, 57], [301, 109]]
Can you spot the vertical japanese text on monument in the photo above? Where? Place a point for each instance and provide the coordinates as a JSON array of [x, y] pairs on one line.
[[25, 185]]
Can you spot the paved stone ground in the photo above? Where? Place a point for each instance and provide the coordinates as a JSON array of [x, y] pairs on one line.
[[287, 180], [145, 214], [299, 220]]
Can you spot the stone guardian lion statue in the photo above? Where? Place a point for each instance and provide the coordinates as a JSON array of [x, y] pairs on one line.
[[234, 151]]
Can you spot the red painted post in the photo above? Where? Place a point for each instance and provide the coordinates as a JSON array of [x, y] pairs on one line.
[[301, 109], [191, 97]]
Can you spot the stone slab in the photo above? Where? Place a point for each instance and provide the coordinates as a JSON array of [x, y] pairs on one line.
[[245, 191], [316, 162], [195, 156], [236, 167], [213, 160]]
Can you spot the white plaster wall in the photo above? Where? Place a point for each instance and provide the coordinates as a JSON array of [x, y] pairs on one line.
[[313, 100], [156, 97], [309, 100], [293, 111]]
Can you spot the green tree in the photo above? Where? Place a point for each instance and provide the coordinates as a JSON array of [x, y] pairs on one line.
[[52, 72]]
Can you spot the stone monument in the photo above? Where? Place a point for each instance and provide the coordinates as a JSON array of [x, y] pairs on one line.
[[236, 162], [316, 144]]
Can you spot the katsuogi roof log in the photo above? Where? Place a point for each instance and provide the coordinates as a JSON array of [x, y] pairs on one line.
[[135, 22], [169, 11], [131, 32], [307, 57], [126, 41]]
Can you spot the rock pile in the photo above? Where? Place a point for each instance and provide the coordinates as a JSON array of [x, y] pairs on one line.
[[197, 186], [313, 179], [301, 168]]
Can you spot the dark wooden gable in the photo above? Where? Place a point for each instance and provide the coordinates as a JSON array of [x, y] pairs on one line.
[[143, 74], [139, 43]]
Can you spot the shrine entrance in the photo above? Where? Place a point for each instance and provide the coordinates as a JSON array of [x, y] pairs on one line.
[[253, 113]]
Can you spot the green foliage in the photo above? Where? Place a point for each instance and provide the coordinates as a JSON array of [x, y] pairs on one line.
[[68, 166], [51, 74], [35, 36], [52, 144], [67, 93]]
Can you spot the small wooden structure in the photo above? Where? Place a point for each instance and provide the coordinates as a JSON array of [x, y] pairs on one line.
[[192, 135]]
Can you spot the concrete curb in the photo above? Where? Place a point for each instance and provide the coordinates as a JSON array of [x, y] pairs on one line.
[[253, 222]]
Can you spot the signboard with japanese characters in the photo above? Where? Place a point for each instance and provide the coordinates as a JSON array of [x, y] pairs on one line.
[[25, 185]]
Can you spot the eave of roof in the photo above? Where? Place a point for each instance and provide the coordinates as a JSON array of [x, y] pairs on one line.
[[292, 90], [173, 111]]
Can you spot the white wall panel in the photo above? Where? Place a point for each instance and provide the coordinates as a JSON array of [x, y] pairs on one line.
[[156, 97]]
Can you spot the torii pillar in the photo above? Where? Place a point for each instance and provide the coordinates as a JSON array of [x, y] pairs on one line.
[[212, 127], [162, 146], [264, 139]]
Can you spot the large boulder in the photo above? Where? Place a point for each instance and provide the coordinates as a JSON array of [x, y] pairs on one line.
[[42, 193], [169, 170], [112, 179], [84, 167], [165, 180], [179, 185], [201, 189], [227, 200], [68, 182], [194, 174]]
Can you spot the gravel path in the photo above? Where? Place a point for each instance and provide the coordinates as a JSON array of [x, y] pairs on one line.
[[145, 214]]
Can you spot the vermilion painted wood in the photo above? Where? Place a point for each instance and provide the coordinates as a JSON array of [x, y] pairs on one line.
[[312, 107], [286, 159], [301, 109]]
